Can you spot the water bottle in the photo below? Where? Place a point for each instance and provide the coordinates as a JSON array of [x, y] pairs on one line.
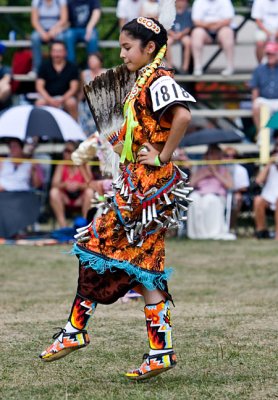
[[12, 36]]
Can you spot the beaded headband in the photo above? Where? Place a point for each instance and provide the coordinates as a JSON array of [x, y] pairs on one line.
[[149, 24]]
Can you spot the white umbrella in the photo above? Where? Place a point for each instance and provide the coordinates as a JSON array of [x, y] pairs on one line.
[[48, 123]]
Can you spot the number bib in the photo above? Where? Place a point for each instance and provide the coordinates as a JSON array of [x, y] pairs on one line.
[[165, 91]]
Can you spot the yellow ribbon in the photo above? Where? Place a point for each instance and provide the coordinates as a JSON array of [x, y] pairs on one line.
[[131, 123]]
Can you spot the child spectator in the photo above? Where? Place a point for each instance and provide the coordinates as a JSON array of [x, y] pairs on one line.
[[212, 20], [181, 33], [84, 16], [49, 19]]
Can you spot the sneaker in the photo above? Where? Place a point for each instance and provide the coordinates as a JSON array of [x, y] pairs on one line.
[[65, 343], [198, 72], [153, 365], [227, 72], [263, 234]]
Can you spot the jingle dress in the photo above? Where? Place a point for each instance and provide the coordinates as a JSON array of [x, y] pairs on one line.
[[124, 247]]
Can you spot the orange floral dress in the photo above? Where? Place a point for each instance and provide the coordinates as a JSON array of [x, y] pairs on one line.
[[129, 235]]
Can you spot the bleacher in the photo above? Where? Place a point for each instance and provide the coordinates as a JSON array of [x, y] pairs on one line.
[[222, 116]]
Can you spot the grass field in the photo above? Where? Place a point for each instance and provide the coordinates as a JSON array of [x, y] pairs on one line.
[[225, 327]]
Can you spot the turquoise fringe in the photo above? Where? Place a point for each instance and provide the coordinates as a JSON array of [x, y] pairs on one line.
[[151, 280]]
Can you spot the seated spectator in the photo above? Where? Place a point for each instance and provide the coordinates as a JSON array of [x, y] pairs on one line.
[[94, 69], [268, 199], [17, 175], [128, 10], [58, 81], [212, 20], [150, 8], [69, 188], [5, 81], [241, 183], [264, 84], [83, 16], [265, 13], [49, 18], [206, 218], [180, 33]]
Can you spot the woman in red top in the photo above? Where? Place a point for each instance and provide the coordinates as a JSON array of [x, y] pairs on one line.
[[69, 187]]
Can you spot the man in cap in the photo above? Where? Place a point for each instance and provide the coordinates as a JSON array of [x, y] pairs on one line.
[[264, 83]]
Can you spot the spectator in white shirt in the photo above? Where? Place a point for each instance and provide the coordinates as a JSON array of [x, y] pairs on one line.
[[265, 13], [212, 20], [128, 10], [18, 175]]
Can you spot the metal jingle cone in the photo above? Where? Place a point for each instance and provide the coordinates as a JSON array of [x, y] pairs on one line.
[[132, 235], [184, 176], [181, 196], [79, 235], [182, 207], [137, 228], [167, 200], [83, 228], [175, 215], [126, 191], [127, 208], [182, 191], [139, 244], [84, 239], [151, 191], [154, 210], [129, 201], [160, 201], [149, 214], [144, 217], [122, 189], [158, 222], [128, 238]]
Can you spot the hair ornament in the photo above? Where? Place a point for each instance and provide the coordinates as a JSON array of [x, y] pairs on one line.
[[149, 24]]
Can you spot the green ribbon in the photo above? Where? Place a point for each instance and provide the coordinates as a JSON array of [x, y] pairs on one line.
[[130, 125]]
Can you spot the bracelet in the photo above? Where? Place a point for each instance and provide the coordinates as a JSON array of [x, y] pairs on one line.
[[157, 162]]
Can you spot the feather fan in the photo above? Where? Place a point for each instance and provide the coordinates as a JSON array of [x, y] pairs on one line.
[[105, 96], [167, 13]]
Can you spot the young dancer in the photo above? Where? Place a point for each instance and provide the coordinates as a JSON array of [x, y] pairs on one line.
[[124, 248]]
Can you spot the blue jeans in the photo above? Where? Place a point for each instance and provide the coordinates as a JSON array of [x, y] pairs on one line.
[[74, 35], [36, 48]]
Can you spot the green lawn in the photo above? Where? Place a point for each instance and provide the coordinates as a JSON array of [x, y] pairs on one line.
[[225, 327]]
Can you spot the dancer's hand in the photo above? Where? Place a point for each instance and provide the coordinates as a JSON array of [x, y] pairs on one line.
[[147, 154]]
